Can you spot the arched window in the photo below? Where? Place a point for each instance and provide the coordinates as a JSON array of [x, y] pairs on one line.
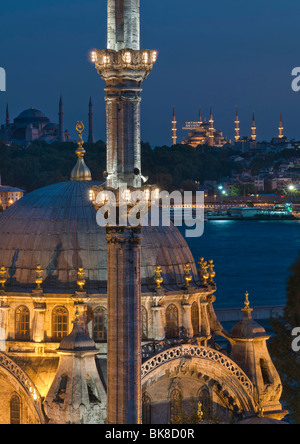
[[146, 411], [100, 324], [265, 372], [22, 323], [60, 321], [144, 324], [172, 322], [204, 397], [175, 406], [195, 318], [15, 410]]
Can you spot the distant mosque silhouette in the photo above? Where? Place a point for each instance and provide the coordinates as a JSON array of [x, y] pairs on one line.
[[32, 125]]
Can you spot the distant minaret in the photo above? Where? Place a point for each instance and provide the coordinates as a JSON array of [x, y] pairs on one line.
[[61, 132], [280, 128], [91, 138], [200, 117], [7, 115], [253, 128], [174, 129], [211, 128], [237, 126]]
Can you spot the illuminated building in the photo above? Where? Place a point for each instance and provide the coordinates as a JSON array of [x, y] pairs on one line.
[[204, 133], [57, 270]]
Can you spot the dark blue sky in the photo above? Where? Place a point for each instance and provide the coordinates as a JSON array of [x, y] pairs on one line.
[[219, 52]]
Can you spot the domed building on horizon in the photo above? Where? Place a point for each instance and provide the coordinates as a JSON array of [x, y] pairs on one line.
[[33, 125]]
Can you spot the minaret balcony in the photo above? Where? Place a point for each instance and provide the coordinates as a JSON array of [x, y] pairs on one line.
[[126, 64]]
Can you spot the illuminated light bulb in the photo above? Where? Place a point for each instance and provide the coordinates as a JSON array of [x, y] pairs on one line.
[[146, 57], [106, 60], [154, 56], [127, 57], [93, 56]]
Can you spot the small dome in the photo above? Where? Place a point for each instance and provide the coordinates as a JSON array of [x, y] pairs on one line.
[[31, 116], [77, 341], [247, 328]]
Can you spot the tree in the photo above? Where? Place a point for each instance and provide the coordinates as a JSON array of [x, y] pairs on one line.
[[285, 359]]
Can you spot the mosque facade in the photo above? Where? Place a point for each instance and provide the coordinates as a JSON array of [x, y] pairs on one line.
[[55, 276]]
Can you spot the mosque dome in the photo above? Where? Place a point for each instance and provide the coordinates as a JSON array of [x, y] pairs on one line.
[[30, 116], [55, 227]]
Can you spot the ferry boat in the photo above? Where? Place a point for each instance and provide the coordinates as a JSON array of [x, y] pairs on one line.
[[278, 211]]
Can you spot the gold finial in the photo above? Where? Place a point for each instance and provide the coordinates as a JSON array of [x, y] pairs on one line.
[[261, 410], [80, 279], [211, 271], [200, 412], [80, 150], [158, 278], [203, 271], [3, 279], [187, 275], [247, 302], [80, 171], [39, 279]]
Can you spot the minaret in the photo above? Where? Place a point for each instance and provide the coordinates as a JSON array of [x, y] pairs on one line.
[[61, 132], [174, 129], [7, 115], [91, 138], [237, 126], [211, 128], [280, 128], [124, 67], [200, 118], [253, 129]]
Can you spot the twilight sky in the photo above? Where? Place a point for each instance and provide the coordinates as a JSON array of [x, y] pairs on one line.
[[210, 52]]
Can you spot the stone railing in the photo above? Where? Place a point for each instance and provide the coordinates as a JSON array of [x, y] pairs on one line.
[[9, 365], [190, 351]]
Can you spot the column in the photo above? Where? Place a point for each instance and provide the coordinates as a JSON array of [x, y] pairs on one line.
[[4, 309], [124, 350], [187, 326], [158, 323], [38, 325]]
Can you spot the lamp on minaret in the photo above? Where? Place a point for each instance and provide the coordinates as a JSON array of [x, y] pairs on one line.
[[91, 138], [253, 129], [237, 126], [174, 129], [280, 128], [211, 128], [61, 116]]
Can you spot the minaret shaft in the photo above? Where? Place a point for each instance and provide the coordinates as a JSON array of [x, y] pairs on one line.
[[123, 24], [124, 352]]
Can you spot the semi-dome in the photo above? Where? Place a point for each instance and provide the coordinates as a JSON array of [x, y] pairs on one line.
[[31, 116], [55, 227]]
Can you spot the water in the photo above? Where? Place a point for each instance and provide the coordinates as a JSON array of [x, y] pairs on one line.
[[253, 256]]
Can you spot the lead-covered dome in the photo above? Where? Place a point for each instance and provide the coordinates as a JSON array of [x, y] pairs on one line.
[[31, 116], [55, 227]]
